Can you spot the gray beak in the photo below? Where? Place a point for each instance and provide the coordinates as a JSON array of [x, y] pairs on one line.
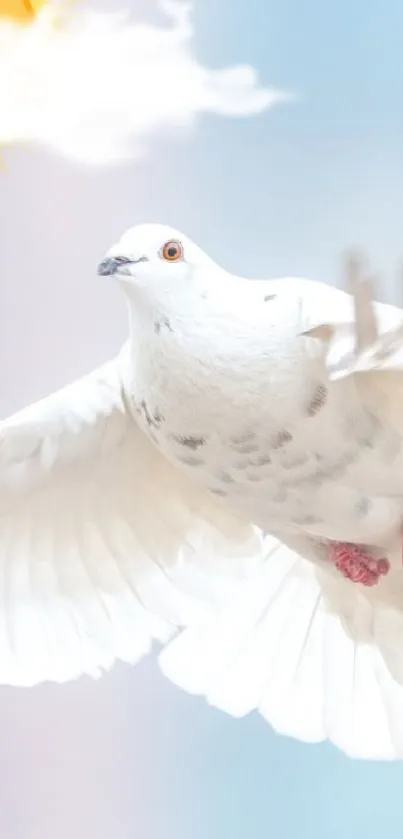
[[111, 264]]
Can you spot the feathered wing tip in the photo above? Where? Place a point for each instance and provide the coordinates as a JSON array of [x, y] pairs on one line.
[[93, 86], [308, 655], [361, 350]]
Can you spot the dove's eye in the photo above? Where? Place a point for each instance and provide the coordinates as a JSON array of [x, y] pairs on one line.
[[172, 251]]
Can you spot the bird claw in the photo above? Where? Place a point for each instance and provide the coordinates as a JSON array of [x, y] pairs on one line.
[[356, 564]]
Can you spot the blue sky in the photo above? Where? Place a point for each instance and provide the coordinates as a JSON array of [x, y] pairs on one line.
[[308, 179], [220, 778], [280, 193]]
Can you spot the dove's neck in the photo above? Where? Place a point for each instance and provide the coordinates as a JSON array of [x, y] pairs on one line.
[[190, 316], [181, 338]]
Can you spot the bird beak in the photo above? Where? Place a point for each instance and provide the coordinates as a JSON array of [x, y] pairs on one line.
[[113, 265]]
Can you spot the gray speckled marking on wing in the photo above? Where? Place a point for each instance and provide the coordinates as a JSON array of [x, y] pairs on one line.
[[190, 441], [318, 400]]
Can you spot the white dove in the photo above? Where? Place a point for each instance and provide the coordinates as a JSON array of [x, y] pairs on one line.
[[133, 503]]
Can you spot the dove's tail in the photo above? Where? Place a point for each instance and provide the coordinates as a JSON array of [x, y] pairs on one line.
[[308, 653]]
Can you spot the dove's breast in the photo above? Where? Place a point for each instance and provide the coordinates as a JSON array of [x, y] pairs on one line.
[[255, 421]]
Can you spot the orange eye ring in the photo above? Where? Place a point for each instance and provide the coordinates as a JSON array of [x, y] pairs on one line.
[[172, 251]]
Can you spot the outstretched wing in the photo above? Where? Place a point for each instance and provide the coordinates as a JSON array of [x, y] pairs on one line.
[[363, 339], [103, 545]]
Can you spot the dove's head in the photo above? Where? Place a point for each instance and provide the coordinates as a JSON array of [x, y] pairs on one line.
[[153, 257]]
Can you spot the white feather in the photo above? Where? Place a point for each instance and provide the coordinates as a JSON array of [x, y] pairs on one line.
[[314, 672], [104, 546], [110, 534]]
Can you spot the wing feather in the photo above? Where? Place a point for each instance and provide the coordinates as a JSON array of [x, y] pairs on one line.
[[102, 542]]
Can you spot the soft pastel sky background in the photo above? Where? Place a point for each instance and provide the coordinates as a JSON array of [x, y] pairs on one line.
[[131, 757]]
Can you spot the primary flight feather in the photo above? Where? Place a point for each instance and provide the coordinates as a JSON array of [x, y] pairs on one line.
[[133, 503]]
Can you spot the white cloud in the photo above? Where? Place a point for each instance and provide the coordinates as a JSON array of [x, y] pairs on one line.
[[95, 88]]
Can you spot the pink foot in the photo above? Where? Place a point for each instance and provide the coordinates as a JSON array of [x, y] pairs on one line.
[[356, 564]]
